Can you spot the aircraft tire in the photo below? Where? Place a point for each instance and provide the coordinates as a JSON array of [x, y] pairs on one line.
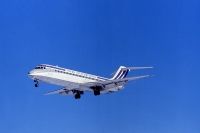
[[77, 96], [96, 93], [36, 85]]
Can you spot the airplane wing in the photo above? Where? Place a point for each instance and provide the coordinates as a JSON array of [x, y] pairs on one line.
[[112, 85], [62, 91], [69, 91], [123, 80], [115, 81]]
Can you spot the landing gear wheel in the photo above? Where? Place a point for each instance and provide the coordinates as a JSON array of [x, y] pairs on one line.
[[96, 92], [36, 83], [77, 96]]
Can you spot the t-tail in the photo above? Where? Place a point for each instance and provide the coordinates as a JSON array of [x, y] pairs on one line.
[[122, 71]]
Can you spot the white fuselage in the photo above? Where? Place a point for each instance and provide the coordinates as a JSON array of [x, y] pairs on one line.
[[65, 77]]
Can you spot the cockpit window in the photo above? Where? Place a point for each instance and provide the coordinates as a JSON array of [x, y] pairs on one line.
[[40, 67]]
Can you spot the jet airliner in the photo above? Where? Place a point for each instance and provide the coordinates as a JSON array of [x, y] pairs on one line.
[[76, 83]]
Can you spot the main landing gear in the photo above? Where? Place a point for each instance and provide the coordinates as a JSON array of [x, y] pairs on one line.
[[78, 94], [36, 83], [97, 90]]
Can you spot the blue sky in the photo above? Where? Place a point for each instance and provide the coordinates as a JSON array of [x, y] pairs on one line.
[[97, 37]]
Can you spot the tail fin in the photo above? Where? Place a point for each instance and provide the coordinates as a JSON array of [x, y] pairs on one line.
[[122, 71]]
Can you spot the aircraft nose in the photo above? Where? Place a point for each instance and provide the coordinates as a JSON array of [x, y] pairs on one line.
[[30, 73]]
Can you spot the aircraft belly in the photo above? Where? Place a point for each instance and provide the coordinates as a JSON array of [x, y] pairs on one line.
[[61, 79]]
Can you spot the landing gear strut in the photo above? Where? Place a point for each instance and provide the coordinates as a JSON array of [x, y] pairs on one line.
[[36, 83]]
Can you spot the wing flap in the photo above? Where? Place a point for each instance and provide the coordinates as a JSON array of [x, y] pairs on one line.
[[62, 91]]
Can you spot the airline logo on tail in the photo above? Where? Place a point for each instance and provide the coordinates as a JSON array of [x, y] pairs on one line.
[[121, 73]]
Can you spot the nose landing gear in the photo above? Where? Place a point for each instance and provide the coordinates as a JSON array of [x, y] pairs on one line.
[[36, 83]]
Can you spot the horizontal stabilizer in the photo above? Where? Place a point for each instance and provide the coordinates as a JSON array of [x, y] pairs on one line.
[[137, 68]]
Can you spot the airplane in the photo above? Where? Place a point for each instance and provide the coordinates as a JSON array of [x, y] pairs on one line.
[[76, 83]]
